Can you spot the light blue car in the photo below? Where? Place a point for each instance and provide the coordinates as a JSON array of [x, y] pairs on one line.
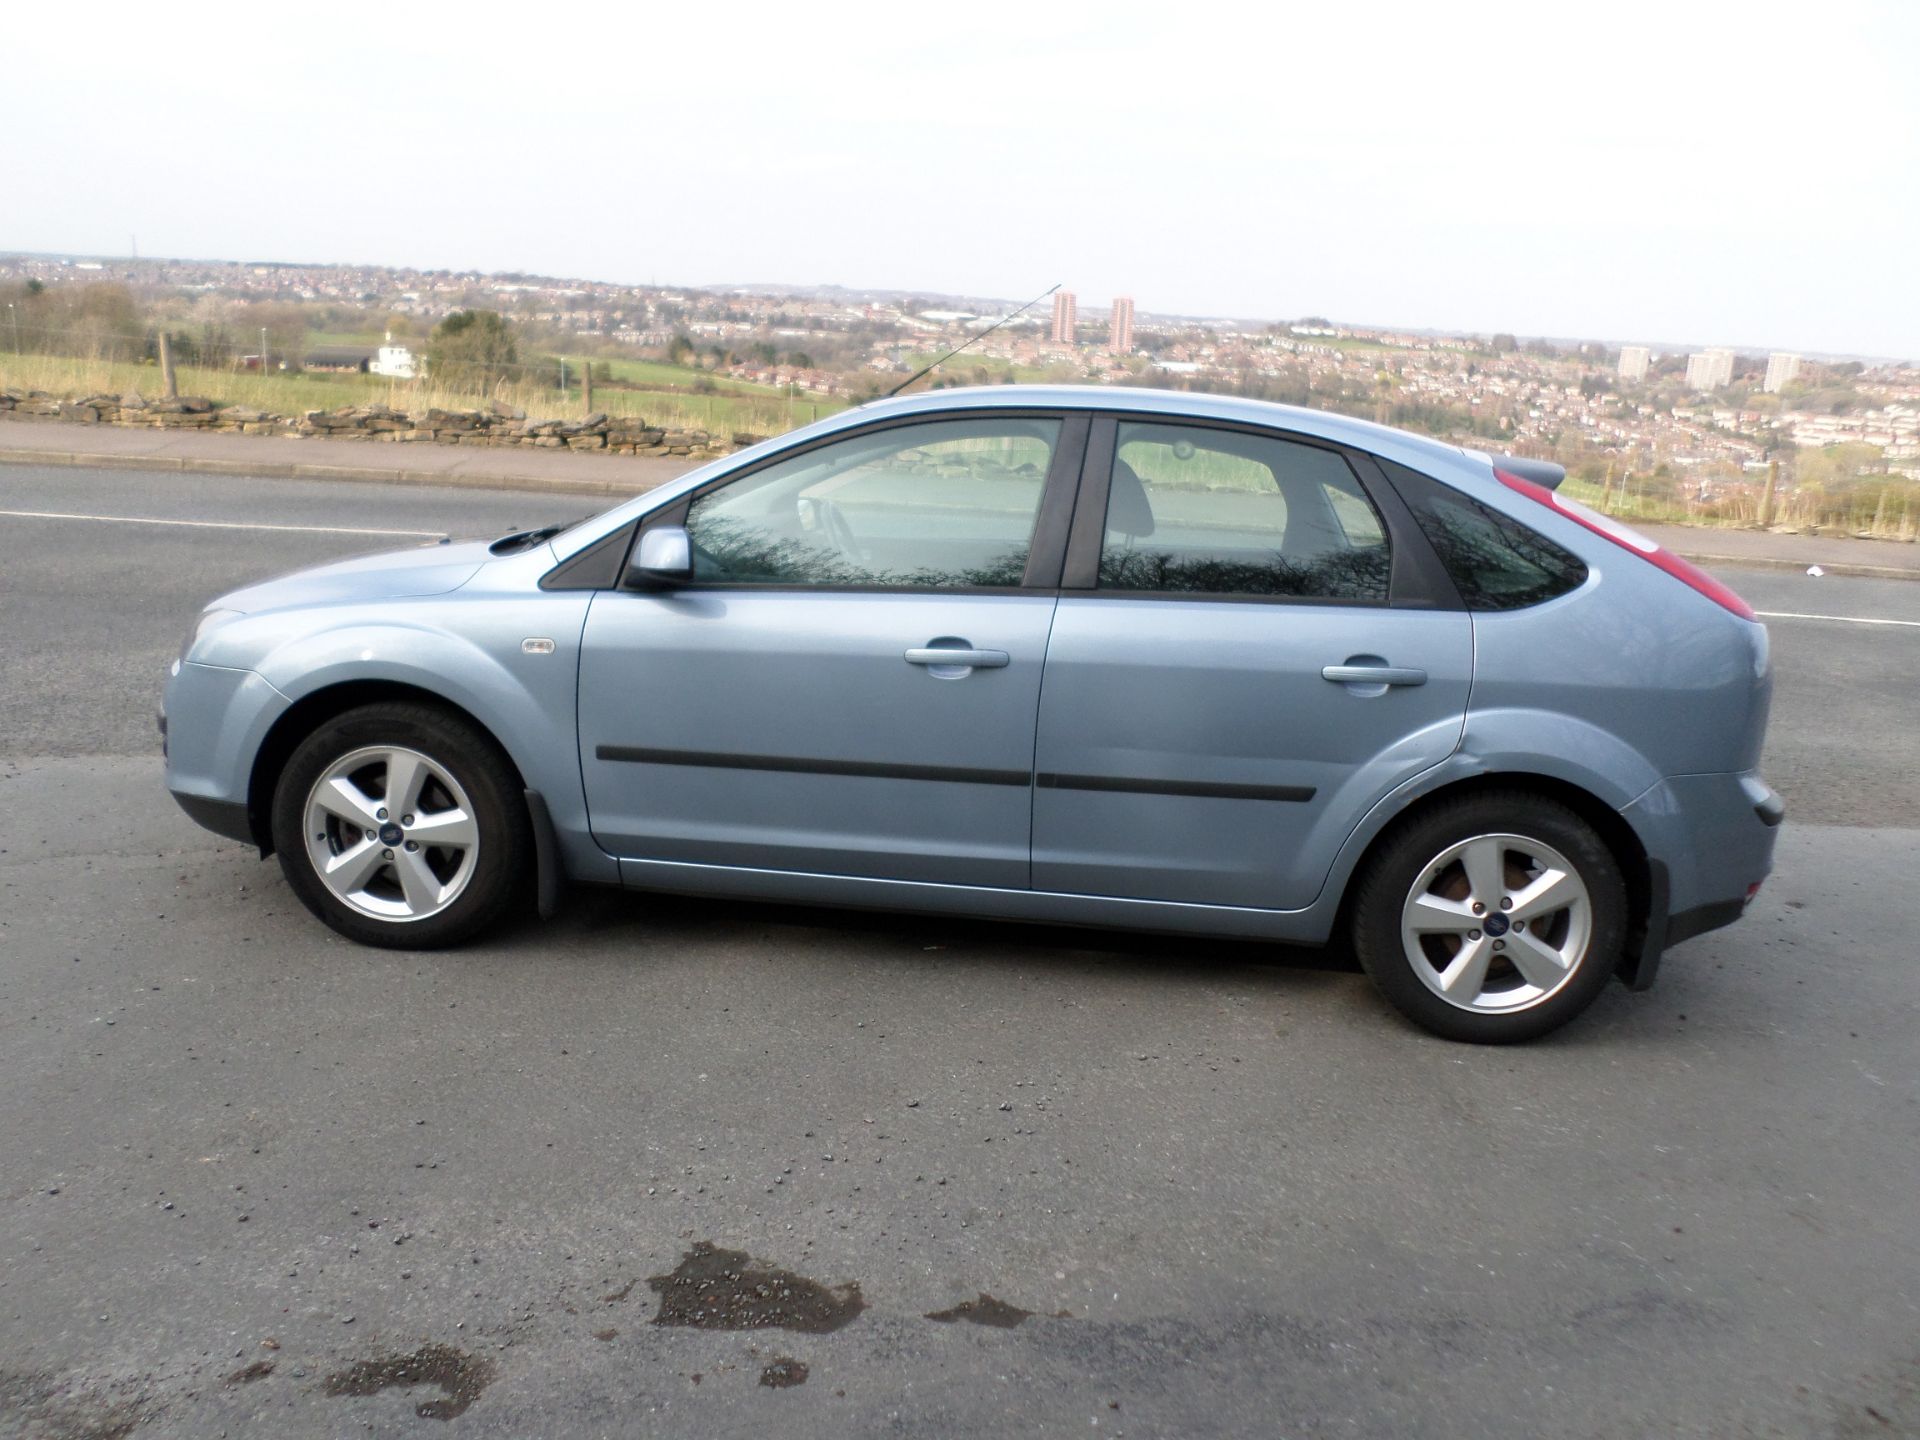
[[1107, 657]]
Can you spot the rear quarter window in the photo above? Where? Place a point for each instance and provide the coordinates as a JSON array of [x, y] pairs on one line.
[[1495, 562]]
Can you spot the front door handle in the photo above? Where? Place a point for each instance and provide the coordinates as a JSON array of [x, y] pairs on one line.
[[958, 659], [1373, 675]]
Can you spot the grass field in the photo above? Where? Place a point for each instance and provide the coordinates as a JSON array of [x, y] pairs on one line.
[[657, 374], [756, 409], [1628, 505], [962, 366], [647, 374], [1887, 512]]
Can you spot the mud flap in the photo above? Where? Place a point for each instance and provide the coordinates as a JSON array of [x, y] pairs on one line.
[[549, 877]]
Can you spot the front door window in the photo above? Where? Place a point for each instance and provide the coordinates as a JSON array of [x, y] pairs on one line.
[[944, 505]]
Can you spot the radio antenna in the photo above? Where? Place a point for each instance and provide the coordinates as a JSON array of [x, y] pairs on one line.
[[929, 369]]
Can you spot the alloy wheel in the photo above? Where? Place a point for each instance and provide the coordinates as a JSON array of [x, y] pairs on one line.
[[1497, 923], [391, 833]]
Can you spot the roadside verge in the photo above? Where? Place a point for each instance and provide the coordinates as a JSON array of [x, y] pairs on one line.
[[463, 466]]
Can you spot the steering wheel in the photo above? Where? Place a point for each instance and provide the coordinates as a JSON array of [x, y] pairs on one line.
[[840, 532]]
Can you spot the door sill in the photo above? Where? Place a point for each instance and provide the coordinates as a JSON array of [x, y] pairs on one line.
[[1310, 926]]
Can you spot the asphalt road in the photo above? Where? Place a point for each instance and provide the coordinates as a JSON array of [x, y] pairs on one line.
[[251, 1173]]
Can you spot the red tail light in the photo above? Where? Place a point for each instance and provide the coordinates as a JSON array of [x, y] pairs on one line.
[[1630, 540]]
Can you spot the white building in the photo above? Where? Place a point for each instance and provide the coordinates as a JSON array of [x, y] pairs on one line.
[[397, 361], [1634, 360], [1709, 369], [1782, 370]]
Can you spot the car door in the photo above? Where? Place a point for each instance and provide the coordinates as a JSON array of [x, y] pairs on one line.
[[849, 683], [1251, 647]]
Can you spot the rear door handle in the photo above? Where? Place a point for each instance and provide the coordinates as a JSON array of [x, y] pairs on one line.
[[971, 659], [1373, 675]]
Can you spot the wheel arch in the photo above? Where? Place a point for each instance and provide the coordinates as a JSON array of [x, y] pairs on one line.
[[310, 712], [1644, 878]]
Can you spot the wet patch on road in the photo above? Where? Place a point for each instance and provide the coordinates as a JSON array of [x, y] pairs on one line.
[[714, 1289], [1894, 1410], [783, 1372], [460, 1377], [55, 1410], [1635, 1311], [986, 1311]]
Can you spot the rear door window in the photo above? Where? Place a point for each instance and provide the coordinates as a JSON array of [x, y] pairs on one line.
[[1198, 511]]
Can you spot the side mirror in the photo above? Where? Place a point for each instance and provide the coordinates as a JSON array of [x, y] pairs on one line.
[[663, 560]]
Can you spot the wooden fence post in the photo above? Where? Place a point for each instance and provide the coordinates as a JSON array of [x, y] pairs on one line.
[[1766, 495], [168, 386], [586, 387]]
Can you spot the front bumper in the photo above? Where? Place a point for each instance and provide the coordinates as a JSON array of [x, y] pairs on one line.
[[212, 721], [222, 817]]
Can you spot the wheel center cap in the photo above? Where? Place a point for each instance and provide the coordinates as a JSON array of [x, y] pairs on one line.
[[391, 834], [1496, 923]]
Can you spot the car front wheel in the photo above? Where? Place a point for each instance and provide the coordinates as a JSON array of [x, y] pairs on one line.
[[1493, 918], [402, 825]]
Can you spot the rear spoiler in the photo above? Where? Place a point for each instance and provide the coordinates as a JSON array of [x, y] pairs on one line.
[[1544, 473]]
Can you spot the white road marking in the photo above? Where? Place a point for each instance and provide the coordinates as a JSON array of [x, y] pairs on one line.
[[1842, 619], [217, 524]]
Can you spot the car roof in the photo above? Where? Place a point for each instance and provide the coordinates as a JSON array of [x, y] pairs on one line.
[[1200, 404], [1434, 457]]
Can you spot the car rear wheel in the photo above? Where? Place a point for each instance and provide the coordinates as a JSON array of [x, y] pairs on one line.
[[1493, 918], [402, 825]]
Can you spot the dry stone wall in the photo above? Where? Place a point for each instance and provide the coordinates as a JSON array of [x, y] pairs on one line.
[[496, 425]]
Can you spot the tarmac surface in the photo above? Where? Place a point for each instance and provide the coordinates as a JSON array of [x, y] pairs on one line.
[[667, 1167]]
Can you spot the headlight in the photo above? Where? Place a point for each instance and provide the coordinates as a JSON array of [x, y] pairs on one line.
[[210, 620]]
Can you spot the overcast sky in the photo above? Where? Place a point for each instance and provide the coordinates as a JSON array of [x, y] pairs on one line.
[[1741, 173]]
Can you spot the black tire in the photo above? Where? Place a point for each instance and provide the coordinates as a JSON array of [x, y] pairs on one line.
[[501, 870], [1386, 883]]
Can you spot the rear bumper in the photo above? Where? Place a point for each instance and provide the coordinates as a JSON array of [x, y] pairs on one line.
[[1702, 918], [1709, 842]]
